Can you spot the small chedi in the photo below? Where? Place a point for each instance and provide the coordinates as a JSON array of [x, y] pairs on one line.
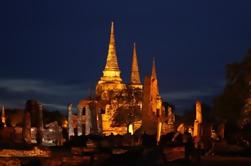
[[119, 108]]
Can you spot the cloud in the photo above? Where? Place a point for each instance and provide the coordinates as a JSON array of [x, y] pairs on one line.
[[55, 106], [15, 92], [38, 86], [184, 95], [183, 99]]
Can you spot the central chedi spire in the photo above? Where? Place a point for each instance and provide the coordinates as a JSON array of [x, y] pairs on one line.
[[111, 61], [111, 72], [111, 80]]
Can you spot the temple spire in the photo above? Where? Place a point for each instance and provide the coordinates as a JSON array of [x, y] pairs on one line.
[[111, 61], [135, 77], [154, 75]]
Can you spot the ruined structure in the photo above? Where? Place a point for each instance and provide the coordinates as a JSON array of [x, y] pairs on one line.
[[116, 107], [169, 123], [112, 92], [198, 120], [3, 117], [33, 122], [27, 127], [53, 135], [152, 105], [40, 126], [80, 130], [70, 127]]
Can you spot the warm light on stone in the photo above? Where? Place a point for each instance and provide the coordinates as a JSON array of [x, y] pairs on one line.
[[198, 120], [130, 129]]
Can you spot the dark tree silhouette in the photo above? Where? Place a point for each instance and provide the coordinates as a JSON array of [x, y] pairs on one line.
[[229, 105]]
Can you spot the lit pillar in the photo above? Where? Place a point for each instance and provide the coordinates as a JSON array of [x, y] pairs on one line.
[[3, 117], [99, 121], [40, 123], [198, 120], [27, 127], [130, 128], [159, 125], [70, 123], [159, 128], [197, 132], [170, 119], [79, 123], [88, 124]]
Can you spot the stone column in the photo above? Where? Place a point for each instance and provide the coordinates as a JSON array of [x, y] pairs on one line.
[[88, 124], [27, 127], [3, 117], [79, 123], [197, 124], [99, 121], [70, 123], [40, 126], [170, 120]]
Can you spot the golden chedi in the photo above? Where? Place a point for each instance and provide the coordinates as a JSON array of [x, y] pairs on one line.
[[111, 80]]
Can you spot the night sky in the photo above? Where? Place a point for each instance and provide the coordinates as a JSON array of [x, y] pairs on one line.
[[55, 50]]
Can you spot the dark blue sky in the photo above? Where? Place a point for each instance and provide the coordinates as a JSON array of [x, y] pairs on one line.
[[55, 50]]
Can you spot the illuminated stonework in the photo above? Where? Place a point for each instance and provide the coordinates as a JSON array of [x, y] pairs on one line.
[[168, 125], [135, 77], [109, 87], [198, 120], [113, 97], [3, 117], [152, 105], [111, 80], [70, 123]]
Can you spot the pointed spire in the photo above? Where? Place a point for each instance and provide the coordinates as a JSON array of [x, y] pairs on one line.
[[154, 75], [111, 61], [135, 77]]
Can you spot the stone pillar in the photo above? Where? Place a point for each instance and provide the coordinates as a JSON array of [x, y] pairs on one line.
[[149, 120], [79, 123], [196, 129], [3, 117], [130, 129], [27, 127], [40, 116], [170, 120], [88, 124], [70, 123], [159, 129], [198, 121], [99, 121], [40, 126]]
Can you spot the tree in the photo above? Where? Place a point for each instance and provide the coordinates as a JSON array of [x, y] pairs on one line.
[[230, 103], [130, 111], [126, 115]]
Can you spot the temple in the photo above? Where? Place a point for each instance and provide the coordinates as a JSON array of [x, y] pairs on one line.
[[117, 107]]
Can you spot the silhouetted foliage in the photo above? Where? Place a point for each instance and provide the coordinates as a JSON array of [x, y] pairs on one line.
[[126, 115], [130, 111], [230, 103]]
